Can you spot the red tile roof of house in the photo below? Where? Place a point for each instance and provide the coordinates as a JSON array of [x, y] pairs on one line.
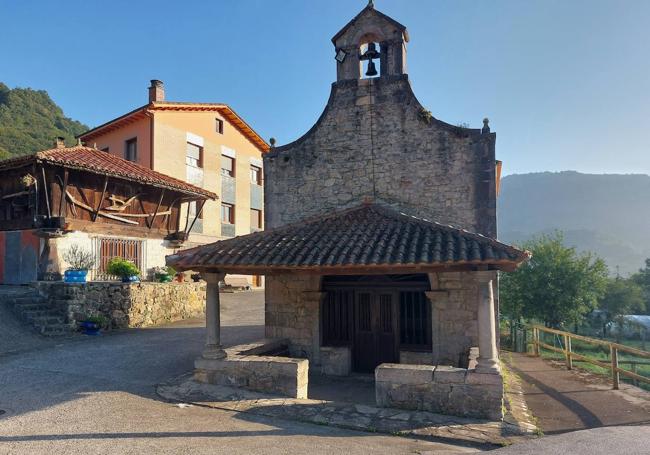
[[98, 162], [367, 239]]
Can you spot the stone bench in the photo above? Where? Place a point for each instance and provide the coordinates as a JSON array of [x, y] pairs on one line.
[[439, 388]]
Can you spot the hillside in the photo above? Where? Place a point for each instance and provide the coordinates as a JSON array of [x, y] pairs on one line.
[[30, 120], [608, 214]]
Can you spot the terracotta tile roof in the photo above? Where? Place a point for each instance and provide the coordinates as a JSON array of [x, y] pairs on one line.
[[98, 162], [369, 238]]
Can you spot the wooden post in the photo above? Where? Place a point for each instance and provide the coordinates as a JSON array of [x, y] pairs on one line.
[[47, 194], [101, 199], [567, 352], [615, 376], [535, 341], [198, 214], [64, 188], [155, 213]]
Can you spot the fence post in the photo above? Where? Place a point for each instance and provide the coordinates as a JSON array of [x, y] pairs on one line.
[[535, 341], [615, 376], [635, 382], [567, 352]]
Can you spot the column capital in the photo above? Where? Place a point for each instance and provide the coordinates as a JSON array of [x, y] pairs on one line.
[[485, 276], [213, 277], [437, 296]]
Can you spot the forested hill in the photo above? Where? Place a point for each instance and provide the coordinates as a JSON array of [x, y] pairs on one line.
[[608, 214], [30, 121]]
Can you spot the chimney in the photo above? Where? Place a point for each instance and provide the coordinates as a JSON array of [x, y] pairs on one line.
[[156, 91], [59, 143]]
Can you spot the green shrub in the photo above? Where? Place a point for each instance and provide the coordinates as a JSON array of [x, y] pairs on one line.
[[122, 268]]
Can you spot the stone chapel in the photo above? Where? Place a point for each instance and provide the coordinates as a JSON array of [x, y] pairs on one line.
[[380, 250]]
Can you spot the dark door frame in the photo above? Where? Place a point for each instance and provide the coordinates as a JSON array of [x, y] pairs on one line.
[[375, 286]]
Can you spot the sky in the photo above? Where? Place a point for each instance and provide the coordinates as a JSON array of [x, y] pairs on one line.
[[565, 83]]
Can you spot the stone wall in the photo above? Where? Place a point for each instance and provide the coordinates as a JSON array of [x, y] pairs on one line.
[[292, 308], [375, 141], [246, 366], [443, 389], [126, 304]]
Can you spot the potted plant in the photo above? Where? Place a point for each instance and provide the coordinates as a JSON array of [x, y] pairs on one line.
[[80, 261], [163, 274], [125, 269], [93, 324]]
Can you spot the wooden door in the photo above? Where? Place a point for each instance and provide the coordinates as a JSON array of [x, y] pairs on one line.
[[375, 334]]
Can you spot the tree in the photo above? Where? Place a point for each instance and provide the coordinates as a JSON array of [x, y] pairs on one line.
[[622, 297], [30, 120], [642, 278], [557, 286]]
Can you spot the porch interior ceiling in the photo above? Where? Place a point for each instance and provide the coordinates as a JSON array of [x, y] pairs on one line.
[[368, 239]]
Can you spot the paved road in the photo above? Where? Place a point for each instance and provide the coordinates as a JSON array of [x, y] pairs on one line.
[[563, 401], [628, 440], [96, 395]]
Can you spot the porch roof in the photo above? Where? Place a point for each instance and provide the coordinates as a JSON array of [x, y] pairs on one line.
[[364, 240]]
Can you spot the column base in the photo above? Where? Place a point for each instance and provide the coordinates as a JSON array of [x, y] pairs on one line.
[[489, 366], [214, 352]]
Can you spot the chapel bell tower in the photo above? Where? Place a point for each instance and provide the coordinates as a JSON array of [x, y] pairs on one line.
[[374, 39]]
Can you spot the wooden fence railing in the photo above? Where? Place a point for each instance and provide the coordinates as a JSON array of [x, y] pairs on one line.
[[614, 349]]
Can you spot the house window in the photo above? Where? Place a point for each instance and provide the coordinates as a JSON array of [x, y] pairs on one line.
[[131, 149], [194, 155], [256, 219], [415, 320], [227, 213], [227, 166], [219, 126], [256, 175], [106, 149], [119, 248]]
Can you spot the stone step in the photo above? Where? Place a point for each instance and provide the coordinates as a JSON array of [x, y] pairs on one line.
[[30, 314], [56, 329], [31, 306], [27, 300], [41, 321]]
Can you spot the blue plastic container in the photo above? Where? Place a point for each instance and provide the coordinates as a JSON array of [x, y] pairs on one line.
[[131, 279], [75, 276]]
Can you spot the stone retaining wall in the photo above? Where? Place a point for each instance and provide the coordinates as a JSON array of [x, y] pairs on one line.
[[126, 304], [246, 366], [439, 388]]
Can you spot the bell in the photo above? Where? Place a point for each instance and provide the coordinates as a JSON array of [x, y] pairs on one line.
[[372, 71]]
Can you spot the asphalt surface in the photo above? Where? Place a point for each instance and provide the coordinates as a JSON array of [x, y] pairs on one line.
[[564, 400], [97, 395], [628, 440]]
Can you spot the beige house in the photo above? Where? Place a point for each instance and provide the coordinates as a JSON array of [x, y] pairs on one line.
[[206, 144]]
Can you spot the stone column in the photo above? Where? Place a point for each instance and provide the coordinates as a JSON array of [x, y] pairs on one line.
[[213, 349], [438, 300], [488, 359]]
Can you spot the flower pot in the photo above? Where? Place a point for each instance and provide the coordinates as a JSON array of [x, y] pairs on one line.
[[75, 276], [131, 279], [163, 278], [90, 328]]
